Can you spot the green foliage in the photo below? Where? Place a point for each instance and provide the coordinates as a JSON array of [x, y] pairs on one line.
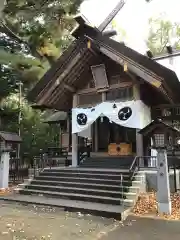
[[32, 36], [16, 65], [43, 25], [8, 85], [161, 33], [36, 135]]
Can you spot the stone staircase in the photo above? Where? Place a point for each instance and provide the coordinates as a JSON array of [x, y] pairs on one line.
[[108, 162], [87, 189]]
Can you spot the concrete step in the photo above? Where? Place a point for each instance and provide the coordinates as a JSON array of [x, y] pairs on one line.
[[114, 187], [119, 212], [105, 166], [76, 190], [109, 160], [105, 162], [88, 170], [80, 197], [84, 175], [84, 180], [104, 193]]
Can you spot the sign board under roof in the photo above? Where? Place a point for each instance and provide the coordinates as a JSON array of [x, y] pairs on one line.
[[10, 137]]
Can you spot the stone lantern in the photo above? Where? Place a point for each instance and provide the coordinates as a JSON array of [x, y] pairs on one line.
[[163, 136], [6, 141]]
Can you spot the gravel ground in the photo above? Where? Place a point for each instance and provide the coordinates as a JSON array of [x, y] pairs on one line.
[[18, 222]]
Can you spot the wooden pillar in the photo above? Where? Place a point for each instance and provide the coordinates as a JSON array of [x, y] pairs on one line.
[[139, 137], [60, 137], [69, 129], [103, 96], [75, 138], [136, 92], [96, 136], [139, 144]]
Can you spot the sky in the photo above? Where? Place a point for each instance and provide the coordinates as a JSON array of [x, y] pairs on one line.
[[133, 18]]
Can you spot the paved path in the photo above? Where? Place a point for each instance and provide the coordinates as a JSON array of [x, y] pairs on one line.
[[136, 228], [18, 222]]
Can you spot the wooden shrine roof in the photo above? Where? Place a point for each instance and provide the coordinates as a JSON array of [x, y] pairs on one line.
[[71, 71], [158, 123], [56, 117]]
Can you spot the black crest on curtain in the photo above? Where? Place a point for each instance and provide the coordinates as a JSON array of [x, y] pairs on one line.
[[124, 113], [81, 119]]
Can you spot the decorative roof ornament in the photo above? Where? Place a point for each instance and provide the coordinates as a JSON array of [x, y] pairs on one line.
[[82, 20]]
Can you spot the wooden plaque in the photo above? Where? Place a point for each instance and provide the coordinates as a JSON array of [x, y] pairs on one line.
[[100, 77], [122, 149]]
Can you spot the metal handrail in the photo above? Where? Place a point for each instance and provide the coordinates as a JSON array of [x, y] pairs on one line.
[[83, 153], [122, 191], [134, 161], [132, 165]]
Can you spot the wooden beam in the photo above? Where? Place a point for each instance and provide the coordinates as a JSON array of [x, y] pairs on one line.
[[168, 91], [166, 94], [69, 88], [148, 76], [92, 51], [43, 97], [110, 17], [161, 106], [119, 85], [76, 73]]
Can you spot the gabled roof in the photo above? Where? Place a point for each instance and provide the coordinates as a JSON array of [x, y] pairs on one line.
[[57, 117], [158, 123], [73, 66]]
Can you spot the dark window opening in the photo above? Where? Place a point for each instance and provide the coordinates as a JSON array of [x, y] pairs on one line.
[[120, 94], [89, 98]]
